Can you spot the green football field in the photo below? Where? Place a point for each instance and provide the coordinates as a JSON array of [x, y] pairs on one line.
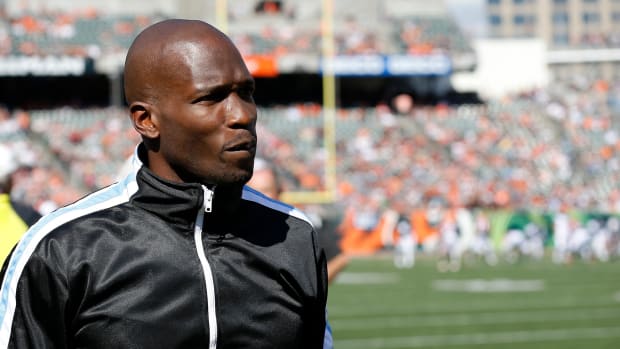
[[525, 305]]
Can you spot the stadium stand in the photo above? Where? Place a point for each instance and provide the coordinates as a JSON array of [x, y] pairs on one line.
[[89, 33], [509, 153], [505, 155], [84, 33], [537, 151]]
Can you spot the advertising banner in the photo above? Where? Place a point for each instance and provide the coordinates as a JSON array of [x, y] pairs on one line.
[[391, 65], [44, 66]]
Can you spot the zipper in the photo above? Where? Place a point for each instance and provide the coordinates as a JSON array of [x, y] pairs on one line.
[[206, 268], [208, 201]]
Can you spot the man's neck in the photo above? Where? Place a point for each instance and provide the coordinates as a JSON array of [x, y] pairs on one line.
[[227, 199]]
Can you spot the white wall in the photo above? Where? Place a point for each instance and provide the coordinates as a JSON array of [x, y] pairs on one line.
[[505, 66]]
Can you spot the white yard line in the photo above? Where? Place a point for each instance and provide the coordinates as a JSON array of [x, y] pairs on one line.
[[523, 303], [467, 319], [489, 286], [367, 278], [480, 338]]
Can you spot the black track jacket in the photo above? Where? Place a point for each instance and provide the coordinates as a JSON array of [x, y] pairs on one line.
[[146, 263]]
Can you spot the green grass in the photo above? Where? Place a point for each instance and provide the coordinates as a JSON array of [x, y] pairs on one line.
[[532, 305]]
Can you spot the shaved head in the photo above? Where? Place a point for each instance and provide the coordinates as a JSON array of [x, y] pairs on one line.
[[158, 54], [190, 97]]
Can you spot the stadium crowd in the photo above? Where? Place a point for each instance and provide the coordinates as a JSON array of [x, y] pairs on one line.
[[279, 31], [90, 33], [534, 151], [548, 150], [83, 33]]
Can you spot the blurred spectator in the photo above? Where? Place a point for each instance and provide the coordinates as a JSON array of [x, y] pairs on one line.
[[15, 217], [268, 6], [266, 180]]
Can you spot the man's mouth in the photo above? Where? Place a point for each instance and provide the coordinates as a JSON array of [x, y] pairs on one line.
[[249, 145]]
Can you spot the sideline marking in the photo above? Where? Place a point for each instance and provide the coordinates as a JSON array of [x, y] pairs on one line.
[[617, 296], [489, 286], [469, 319], [480, 338], [367, 278], [379, 309]]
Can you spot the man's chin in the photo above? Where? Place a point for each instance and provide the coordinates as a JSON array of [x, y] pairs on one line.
[[238, 177], [244, 170]]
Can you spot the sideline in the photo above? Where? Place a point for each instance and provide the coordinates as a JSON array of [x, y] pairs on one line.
[[351, 278], [474, 318], [489, 286], [480, 338]]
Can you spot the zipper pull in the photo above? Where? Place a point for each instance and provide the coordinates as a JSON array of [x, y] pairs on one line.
[[208, 198]]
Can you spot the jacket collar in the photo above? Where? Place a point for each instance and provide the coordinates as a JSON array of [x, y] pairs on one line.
[[179, 203], [176, 203]]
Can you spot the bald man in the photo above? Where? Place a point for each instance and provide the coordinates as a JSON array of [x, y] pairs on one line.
[[178, 254]]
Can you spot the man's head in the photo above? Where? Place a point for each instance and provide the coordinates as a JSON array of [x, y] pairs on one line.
[[8, 165], [190, 97], [265, 179]]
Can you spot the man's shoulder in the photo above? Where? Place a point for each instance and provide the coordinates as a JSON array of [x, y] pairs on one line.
[[275, 206], [78, 217]]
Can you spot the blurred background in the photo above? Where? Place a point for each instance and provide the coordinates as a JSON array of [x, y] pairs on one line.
[[463, 154]]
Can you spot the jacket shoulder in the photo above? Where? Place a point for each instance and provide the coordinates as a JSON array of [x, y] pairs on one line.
[[62, 221], [255, 196]]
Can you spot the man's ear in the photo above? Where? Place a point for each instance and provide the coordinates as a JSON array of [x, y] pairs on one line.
[[143, 119]]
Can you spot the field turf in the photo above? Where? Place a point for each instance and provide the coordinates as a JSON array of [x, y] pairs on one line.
[[525, 305]]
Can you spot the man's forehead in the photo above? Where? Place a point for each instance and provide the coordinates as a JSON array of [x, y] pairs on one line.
[[187, 53], [209, 64]]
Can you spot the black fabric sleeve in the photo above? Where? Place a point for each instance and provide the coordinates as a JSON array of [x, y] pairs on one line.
[[28, 214], [39, 317], [329, 238], [319, 317]]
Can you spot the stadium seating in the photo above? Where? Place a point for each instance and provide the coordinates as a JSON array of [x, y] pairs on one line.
[[551, 147], [91, 34], [529, 150]]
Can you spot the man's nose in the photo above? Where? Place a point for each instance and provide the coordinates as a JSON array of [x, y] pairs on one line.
[[240, 112]]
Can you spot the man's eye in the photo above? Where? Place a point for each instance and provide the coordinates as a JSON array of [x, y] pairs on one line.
[[211, 97], [218, 95], [246, 93]]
